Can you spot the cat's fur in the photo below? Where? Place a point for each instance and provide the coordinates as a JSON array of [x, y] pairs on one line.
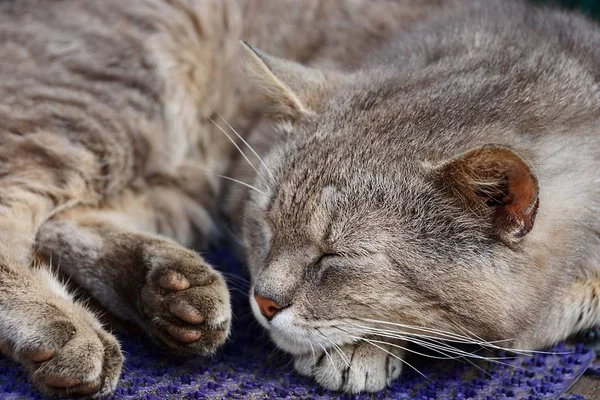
[[109, 162], [407, 191]]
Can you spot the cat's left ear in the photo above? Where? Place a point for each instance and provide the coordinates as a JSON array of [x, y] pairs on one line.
[[291, 90], [496, 183]]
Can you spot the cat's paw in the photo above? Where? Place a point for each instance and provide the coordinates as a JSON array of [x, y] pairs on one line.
[[186, 301], [70, 357], [355, 368]]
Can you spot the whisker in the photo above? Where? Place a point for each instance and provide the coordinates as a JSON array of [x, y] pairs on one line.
[[312, 349], [241, 183], [337, 348], [451, 336], [248, 145], [462, 353], [407, 349], [522, 352], [421, 335], [408, 337], [327, 354], [430, 330], [233, 180], [439, 345], [398, 358], [465, 355], [460, 358], [239, 285], [235, 276], [236, 146], [239, 291], [485, 344]]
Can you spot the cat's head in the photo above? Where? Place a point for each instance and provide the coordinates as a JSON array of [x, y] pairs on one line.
[[349, 225]]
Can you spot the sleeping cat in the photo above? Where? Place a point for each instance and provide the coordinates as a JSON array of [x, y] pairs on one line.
[[110, 157], [447, 189]]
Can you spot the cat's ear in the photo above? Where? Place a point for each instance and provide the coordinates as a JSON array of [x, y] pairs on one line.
[[291, 90], [497, 183]]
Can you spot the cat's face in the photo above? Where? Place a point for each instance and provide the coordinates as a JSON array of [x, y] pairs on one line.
[[345, 235]]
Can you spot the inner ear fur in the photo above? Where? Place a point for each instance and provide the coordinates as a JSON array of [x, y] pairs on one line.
[[494, 182], [290, 90]]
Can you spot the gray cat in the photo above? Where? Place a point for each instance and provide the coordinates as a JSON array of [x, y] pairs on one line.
[[449, 188]]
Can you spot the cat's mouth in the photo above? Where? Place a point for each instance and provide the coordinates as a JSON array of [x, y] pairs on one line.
[[296, 336], [299, 339]]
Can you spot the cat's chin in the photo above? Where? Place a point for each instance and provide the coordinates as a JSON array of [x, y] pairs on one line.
[[296, 346]]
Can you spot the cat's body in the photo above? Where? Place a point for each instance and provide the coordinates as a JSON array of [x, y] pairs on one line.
[[450, 186], [109, 163]]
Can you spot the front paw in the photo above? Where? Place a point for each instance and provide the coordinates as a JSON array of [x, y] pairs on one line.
[[186, 302], [358, 367], [69, 356]]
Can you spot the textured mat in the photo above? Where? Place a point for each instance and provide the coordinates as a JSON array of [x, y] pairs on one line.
[[249, 367]]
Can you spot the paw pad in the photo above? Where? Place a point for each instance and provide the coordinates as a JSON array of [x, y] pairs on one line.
[[186, 303], [42, 355], [60, 382], [183, 334], [172, 280], [186, 312]]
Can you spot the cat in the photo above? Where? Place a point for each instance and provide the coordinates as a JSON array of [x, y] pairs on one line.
[[111, 151], [447, 188]]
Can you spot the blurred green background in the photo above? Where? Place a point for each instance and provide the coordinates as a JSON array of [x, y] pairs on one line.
[[589, 7]]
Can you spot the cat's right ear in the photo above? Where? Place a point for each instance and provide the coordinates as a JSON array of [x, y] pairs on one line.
[[496, 183], [290, 90]]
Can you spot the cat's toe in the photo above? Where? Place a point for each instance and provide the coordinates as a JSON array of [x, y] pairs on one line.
[[67, 358], [186, 312], [188, 306], [353, 368], [51, 339], [172, 280]]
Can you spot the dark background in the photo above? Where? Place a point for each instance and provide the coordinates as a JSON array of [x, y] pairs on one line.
[[589, 7]]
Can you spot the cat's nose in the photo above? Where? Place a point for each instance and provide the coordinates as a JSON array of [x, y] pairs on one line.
[[268, 308]]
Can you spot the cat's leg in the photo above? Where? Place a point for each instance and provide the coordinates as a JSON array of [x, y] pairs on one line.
[[61, 344], [575, 310], [366, 366], [168, 290], [58, 341]]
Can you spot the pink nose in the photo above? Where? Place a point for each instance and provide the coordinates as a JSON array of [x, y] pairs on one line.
[[268, 307]]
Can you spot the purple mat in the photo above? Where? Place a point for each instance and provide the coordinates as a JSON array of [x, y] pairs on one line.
[[249, 367]]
